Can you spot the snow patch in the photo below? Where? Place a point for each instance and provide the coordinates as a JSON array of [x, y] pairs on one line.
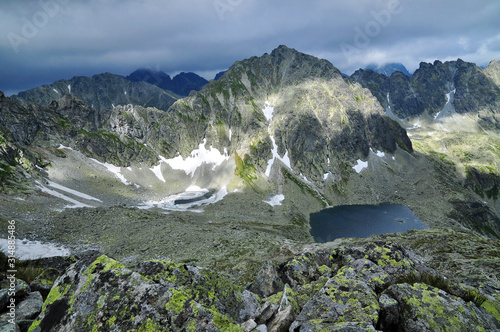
[[415, 126], [113, 169], [305, 179], [361, 165], [125, 93], [275, 200], [34, 249], [157, 171], [380, 154], [71, 191], [69, 88], [191, 193], [197, 158], [448, 107], [76, 204], [113, 105], [268, 111], [285, 159], [56, 91], [230, 134], [60, 147]]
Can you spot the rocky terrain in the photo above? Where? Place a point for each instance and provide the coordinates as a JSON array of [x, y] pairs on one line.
[[361, 285], [224, 180]]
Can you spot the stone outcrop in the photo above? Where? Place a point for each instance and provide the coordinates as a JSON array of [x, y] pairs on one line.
[[360, 286]]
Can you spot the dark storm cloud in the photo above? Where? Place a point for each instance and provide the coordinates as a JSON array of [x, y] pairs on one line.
[[42, 41]]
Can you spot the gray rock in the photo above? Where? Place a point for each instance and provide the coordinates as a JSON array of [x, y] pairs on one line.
[[426, 308], [266, 312], [30, 307], [5, 326], [282, 320], [4, 299], [250, 306], [267, 281], [249, 325], [261, 328], [389, 310]]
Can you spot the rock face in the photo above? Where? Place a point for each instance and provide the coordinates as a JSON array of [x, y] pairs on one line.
[[474, 90], [67, 121], [182, 84], [102, 92], [493, 71], [316, 115], [359, 287]]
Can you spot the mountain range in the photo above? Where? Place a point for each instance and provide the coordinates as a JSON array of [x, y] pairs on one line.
[[181, 84], [227, 176], [388, 69]]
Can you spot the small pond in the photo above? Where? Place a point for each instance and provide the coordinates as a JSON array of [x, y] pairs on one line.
[[362, 221]]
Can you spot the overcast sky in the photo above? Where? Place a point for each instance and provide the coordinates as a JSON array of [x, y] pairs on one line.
[[43, 41]]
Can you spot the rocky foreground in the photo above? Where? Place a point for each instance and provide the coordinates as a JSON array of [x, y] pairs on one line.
[[350, 285]]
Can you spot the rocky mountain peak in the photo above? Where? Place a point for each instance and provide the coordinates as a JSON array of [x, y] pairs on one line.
[[493, 71], [388, 69], [474, 90]]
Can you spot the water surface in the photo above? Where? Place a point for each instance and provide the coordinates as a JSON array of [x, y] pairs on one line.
[[362, 221]]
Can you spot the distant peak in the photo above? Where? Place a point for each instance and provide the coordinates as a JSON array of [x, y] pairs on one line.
[[388, 69]]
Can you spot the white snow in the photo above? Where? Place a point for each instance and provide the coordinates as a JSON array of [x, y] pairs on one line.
[[192, 192], [64, 147], [361, 165], [268, 111], [113, 105], [76, 204], [219, 196], [34, 249], [157, 171], [113, 169], [69, 88], [71, 191], [325, 176], [380, 154], [56, 91], [449, 97], [197, 158], [415, 126], [285, 159], [305, 179], [125, 92], [275, 200], [230, 134]]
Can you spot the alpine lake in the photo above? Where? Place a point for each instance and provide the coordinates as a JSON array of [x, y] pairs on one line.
[[362, 221]]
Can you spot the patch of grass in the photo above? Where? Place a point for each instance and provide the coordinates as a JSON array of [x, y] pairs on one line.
[[244, 169], [28, 271]]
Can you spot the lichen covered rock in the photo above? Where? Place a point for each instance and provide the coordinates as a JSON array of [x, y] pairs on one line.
[[361, 286]]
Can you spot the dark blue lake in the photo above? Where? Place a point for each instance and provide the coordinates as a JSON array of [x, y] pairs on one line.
[[362, 221]]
